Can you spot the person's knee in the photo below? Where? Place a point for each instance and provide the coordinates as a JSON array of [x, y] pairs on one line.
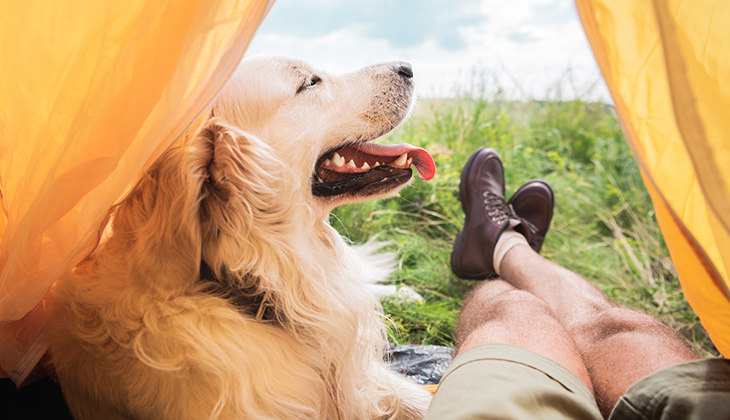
[[618, 321], [487, 292], [501, 302], [519, 319], [517, 305], [509, 311]]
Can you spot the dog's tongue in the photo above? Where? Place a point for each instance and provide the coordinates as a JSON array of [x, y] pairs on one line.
[[422, 160]]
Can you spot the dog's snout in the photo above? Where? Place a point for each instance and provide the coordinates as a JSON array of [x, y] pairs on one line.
[[404, 69]]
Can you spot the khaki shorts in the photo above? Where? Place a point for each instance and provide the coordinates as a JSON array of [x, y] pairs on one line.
[[497, 381]]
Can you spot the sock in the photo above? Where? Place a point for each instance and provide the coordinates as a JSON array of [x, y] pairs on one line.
[[507, 240]]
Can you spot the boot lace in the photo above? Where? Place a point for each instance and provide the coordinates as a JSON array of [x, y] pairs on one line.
[[499, 212], [497, 209]]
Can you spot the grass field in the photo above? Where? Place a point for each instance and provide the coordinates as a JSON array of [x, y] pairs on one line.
[[603, 228]]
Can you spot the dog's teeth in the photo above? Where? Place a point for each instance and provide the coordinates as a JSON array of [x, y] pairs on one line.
[[410, 161], [376, 164], [327, 162], [401, 160], [337, 159], [351, 164], [365, 166]]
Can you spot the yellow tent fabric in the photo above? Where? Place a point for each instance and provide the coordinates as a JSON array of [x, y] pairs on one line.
[[91, 93], [667, 66]]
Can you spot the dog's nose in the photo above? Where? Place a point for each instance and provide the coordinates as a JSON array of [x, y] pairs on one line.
[[404, 69]]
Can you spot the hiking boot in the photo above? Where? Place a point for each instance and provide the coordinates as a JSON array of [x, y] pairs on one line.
[[487, 215], [533, 203]]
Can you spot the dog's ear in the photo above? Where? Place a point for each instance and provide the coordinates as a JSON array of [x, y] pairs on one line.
[[247, 199]]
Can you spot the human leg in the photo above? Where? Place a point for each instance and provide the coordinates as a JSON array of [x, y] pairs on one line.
[[496, 312], [508, 344], [513, 361], [618, 346]]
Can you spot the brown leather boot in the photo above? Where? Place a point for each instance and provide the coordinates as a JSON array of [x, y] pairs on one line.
[[534, 203], [481, 193]]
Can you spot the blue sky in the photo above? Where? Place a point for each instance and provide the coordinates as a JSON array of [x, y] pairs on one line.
[[526, 48]]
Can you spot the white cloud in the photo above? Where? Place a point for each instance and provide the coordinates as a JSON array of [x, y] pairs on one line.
[[525, 45]]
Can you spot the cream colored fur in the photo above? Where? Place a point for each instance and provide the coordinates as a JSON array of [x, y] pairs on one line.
[[136, 334]]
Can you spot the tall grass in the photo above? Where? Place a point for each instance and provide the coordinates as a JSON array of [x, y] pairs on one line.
[[603, 228]]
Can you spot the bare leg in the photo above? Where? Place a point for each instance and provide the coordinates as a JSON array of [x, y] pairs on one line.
[[618, 346], [496, 312]]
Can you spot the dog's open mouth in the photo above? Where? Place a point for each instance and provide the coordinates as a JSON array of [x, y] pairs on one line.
[[369, 168]]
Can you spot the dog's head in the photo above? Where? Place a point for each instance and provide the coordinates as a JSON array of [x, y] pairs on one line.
[[321, 126]]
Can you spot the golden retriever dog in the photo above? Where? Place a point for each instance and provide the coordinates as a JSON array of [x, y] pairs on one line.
[[220, 290]]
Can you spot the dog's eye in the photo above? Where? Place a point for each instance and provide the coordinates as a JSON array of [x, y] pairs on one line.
[[311, 82]]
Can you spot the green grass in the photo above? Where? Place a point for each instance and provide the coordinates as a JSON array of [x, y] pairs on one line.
[[603, 228]]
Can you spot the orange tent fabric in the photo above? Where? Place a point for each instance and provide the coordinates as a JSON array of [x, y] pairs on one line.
[[667, 66], [91, 93]]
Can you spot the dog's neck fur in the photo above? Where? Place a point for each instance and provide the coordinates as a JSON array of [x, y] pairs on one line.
[[244, 295]]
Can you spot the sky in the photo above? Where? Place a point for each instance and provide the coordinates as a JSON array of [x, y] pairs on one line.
[[522, 49]]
